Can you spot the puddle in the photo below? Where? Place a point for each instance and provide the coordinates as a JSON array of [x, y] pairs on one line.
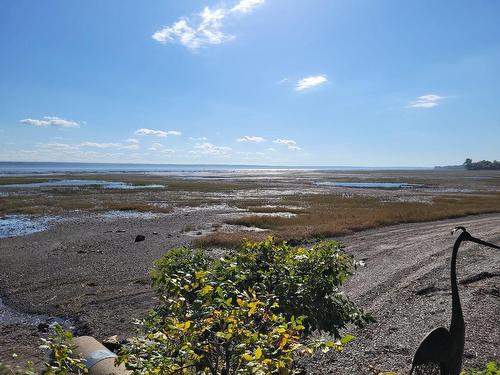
[[214, 207], [371, 185], [22, 225], [8, 315], [112, 215], [275, 214], [81, 183]]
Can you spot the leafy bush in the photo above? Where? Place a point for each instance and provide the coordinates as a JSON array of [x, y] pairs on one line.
[[249, 312], [492, 368], [61, 361]]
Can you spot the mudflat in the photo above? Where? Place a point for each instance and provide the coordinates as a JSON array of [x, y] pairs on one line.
[[86, 269]]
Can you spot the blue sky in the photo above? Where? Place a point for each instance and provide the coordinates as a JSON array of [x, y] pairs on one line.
[[309, 82]]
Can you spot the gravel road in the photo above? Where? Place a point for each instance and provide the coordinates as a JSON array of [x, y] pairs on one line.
[[405, 285]]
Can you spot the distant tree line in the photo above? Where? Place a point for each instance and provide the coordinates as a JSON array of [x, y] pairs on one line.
[[481, 165]]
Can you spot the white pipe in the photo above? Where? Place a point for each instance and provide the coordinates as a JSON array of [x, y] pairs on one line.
[[98, 359]]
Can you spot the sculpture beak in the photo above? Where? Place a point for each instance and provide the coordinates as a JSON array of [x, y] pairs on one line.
[[484, 243]]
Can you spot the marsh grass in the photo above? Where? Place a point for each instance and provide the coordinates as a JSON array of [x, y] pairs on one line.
[[332, 215], [227, 240]]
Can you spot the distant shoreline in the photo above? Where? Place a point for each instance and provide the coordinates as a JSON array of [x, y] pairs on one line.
[[11, 167]]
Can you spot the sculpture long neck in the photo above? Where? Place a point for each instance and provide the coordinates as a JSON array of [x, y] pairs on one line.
[[457, 318]]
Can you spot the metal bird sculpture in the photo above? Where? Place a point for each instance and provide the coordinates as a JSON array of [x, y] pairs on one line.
[[440, 352]]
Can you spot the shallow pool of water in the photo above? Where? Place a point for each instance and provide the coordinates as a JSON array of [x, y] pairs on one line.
[[80, 183], [112, 215], [8, 315], [21, 225], [371, 185]]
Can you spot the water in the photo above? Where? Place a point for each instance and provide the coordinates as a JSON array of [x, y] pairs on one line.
[[371, 185], [80, 183], [22, 225], [54, 167], [8, 315]]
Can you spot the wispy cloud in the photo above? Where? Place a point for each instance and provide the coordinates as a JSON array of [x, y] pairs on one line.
[[286, 142], [156, 133], [210, 149], [310, 82], [156, 146], [100, 145], [50, 121], [427, 101], [204, 28], [132, 140], [251, 139], [198, 138], [289, 143], [245, 6], [58, 146]]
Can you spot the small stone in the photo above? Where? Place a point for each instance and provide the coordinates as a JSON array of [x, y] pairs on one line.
[[43, 327], [120, 231], [155, 233], [139, 238]]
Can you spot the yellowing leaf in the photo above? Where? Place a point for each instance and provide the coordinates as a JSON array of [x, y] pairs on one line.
[[258, 353]]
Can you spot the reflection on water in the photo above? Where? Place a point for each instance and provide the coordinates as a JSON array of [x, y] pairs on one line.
[[371, 185], [21, 225], [10, 316], [80, 183]]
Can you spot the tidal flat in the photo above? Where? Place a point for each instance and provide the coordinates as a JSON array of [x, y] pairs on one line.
[[83, 265]]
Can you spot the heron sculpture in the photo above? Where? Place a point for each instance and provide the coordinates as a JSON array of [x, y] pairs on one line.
[[440, 352]]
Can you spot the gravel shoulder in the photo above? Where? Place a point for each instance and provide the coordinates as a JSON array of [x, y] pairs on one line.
[[406, 286], [86, 270]]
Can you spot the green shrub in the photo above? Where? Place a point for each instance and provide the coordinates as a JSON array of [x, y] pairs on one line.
[[492, 368], [249, 312], [62, 359]]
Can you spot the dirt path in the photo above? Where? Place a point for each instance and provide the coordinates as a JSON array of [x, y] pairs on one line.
[[405, 284]]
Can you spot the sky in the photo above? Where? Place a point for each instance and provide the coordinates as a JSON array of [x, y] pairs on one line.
[[268, 82]]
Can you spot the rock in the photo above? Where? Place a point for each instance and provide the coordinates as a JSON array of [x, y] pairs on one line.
[[81, 252], [426, 291], [139, 238], [120, 231], [155, 233], [43, 327], [112, 343]]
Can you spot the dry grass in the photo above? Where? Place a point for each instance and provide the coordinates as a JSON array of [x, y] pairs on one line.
[[334, 215], [227, 240]]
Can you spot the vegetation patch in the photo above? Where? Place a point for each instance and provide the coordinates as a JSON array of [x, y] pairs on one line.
[[249, 312]]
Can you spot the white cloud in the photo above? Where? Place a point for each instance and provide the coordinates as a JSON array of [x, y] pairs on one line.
[[100, 145], [251, 138], [130, 146], [309, 82], [289, 143], [132, 140], [203, 28], [50, 121], [210, 149], [156, 146], [245, 6], [281, 81], [156, 133], [198, 138], [427, 101], [271, 149]]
